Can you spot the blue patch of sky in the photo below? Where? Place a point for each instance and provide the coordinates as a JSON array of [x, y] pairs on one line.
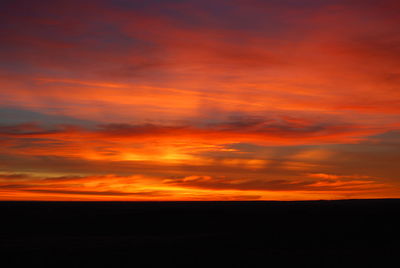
[[13, 116]]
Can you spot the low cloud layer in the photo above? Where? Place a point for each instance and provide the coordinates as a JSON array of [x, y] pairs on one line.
[[139, 187]]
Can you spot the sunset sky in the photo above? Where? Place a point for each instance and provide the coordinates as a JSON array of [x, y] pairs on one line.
[[199, 99]]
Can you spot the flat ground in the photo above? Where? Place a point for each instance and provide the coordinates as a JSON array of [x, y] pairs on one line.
[[348, 233]]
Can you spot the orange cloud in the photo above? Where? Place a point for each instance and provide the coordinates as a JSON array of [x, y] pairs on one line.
[[172, 144], [330, 185], [111, 187]]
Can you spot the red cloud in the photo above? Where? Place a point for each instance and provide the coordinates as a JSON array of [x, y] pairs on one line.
[[331, 185]]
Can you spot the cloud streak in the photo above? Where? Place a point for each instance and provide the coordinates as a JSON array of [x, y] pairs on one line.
[[138, 187]]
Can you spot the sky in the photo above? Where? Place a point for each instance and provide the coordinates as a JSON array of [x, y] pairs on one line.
[[199, 100]]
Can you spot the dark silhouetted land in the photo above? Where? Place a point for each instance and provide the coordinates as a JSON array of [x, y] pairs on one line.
[[347, 233]]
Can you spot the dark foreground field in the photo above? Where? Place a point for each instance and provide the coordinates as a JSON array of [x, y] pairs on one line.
[[350, 233]]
